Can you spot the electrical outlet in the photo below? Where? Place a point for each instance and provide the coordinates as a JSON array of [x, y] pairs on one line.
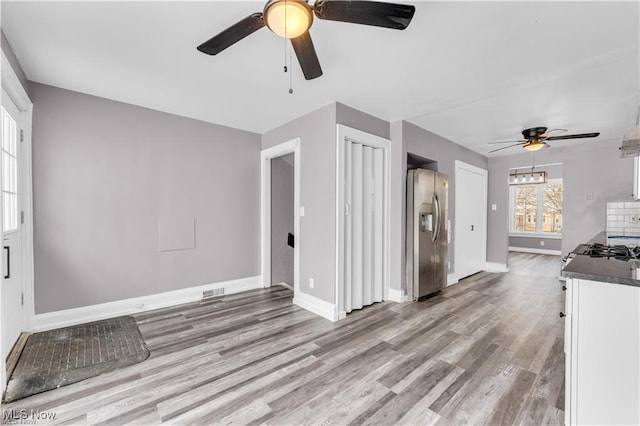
[[311, 283], [542, 243]]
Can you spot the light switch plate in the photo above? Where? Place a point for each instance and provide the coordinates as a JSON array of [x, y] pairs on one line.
[[301, 211], [494, 207]]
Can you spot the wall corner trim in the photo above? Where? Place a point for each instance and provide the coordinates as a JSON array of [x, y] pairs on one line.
[[535, 251], [452, 279], [495, 267], [396, 295], [317, 306], [67, 317]]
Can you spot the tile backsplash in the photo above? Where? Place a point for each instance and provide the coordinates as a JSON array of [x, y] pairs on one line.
[[623, 218]]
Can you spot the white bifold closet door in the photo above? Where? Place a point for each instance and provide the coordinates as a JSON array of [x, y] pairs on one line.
[[364, 226]]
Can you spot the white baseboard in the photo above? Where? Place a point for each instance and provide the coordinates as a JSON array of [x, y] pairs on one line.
[[495, 267], [285, 285], [452, 279], [396, 295], [67, 317], [535, 251], [317, 306]]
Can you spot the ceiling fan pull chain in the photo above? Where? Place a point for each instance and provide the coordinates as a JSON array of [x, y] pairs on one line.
[[285, 36], [533, 166], [290, 73]]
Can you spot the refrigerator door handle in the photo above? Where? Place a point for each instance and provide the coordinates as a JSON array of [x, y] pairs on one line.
[[436, 228]]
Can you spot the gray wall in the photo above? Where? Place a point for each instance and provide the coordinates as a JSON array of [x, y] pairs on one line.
[[535, 243], [13, 61], [409, 138], [554, 172], [593, 173], [109, 178], [316, 131], [362, 121], [282, 218]]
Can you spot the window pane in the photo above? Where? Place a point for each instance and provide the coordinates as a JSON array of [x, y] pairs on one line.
[[5, 171], [6, 131], [525, 208], [13, 175], [12, 210], [9, 133], [6, 205], [13, 141], [552, 208], [9, 173]]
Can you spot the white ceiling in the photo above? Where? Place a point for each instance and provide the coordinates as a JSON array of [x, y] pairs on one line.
[[472, 72]]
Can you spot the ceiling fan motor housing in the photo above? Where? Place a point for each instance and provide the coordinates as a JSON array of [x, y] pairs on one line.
[[534, 132]]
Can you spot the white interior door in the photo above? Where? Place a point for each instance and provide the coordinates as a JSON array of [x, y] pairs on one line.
[[12, 285], [362, 216], [364, 226], [470, 219]]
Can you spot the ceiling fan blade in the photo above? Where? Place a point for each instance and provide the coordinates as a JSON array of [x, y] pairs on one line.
[[307, 57], [578, 136], [505, 147], [519, 141], [378, 14], [555, 131], [233, 34]]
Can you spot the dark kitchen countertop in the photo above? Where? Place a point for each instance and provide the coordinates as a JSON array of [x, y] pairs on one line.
[[603, 269]]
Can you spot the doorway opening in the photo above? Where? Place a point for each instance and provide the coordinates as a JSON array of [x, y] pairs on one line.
[[280, 215], [282, 220]]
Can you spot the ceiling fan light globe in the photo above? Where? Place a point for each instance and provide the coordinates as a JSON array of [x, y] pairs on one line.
[[534, 145], [288, 18]]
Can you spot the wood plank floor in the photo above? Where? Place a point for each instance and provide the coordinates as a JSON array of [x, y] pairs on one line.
[[488, 350]]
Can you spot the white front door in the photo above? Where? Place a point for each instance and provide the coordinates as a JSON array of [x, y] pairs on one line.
[[470, 219], [11, 286]]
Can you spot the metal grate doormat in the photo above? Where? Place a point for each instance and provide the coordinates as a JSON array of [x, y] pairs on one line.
[[56, 358]]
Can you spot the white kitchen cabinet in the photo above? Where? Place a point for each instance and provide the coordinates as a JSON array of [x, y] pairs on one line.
[[602, 346]]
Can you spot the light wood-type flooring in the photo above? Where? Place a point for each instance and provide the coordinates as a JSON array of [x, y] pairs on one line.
[[488, 350]]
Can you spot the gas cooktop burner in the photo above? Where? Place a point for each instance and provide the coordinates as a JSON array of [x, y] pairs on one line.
[[618, 252]]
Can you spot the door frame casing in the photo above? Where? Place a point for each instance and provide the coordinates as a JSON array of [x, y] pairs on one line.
[[343, 134], [13, 87], [266, 155], [460, 165]]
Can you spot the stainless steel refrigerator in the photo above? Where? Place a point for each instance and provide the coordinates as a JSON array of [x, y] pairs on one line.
[[426, 250]]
